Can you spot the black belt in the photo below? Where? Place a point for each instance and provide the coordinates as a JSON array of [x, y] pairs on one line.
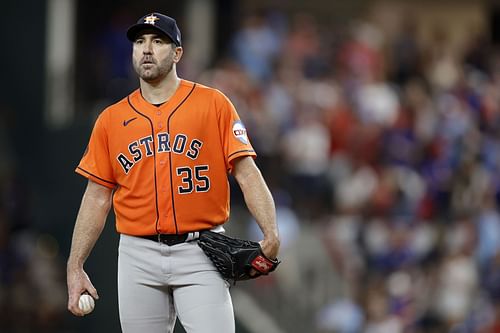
[[169, 239]]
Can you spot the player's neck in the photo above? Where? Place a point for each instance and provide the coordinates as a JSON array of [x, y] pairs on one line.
[[160, 92]]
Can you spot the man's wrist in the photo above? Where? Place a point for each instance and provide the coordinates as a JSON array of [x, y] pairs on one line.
[[272, 239], [73, 265]]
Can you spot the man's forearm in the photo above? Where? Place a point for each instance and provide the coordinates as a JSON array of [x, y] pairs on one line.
[[258, 198], [89, 224], [261, 205]]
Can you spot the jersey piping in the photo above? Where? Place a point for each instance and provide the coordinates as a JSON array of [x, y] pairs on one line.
[[154, 161], [91, 174], [241, 151], [170, 159]]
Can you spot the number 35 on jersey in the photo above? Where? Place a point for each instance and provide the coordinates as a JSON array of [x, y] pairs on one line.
[[193, 178]]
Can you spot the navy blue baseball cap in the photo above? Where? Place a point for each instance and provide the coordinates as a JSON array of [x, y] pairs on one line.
[[162, 23]]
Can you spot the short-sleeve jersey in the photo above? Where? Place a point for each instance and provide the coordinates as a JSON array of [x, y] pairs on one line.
[[168, 165]]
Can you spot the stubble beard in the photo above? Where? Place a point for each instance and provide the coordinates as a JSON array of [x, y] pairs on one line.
[[154, 72]]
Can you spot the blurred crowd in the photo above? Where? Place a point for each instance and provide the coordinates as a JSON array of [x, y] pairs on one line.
[[32, 275], [383, 155]]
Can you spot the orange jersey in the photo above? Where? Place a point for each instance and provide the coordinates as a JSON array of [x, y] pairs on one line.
[[167, 164]]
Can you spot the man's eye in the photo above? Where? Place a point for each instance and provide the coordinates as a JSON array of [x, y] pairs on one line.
[[157, 41], [138, 41]]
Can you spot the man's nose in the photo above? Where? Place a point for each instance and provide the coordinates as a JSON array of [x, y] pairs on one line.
[[148, 48]]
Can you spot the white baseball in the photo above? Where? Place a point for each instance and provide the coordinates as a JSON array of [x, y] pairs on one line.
[[86, 303]]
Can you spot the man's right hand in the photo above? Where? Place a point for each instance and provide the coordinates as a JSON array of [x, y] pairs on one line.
[[78, 283]]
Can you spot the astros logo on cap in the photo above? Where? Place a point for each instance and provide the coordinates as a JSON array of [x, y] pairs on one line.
[[151, 19]]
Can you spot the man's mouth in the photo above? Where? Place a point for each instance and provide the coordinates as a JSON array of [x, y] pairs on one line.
[[147, 62]]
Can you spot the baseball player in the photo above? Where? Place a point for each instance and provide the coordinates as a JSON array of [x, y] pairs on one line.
[[161, 157]]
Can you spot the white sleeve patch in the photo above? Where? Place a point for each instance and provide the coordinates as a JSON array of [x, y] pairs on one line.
[[240, 132]]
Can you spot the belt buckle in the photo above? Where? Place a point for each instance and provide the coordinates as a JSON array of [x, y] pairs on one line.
[[163, 239], [174, 240], [178, 239], [171, 240]]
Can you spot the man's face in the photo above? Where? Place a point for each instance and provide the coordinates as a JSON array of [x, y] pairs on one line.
[[153, 56]]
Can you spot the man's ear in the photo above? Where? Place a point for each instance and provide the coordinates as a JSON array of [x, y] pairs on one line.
[[178, 54]]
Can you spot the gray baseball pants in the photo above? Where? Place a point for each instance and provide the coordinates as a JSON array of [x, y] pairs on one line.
[[157, 283]]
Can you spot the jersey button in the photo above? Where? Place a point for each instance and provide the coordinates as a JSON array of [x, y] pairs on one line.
[[160, 125], [162, 162], [158, 113]]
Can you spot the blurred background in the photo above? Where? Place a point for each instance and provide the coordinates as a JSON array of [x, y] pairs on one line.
[[377, 128]]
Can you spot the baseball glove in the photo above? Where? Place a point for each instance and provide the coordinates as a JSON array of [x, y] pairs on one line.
[[234, 258]]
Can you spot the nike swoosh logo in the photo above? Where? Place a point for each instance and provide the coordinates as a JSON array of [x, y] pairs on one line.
[[126, 122]]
